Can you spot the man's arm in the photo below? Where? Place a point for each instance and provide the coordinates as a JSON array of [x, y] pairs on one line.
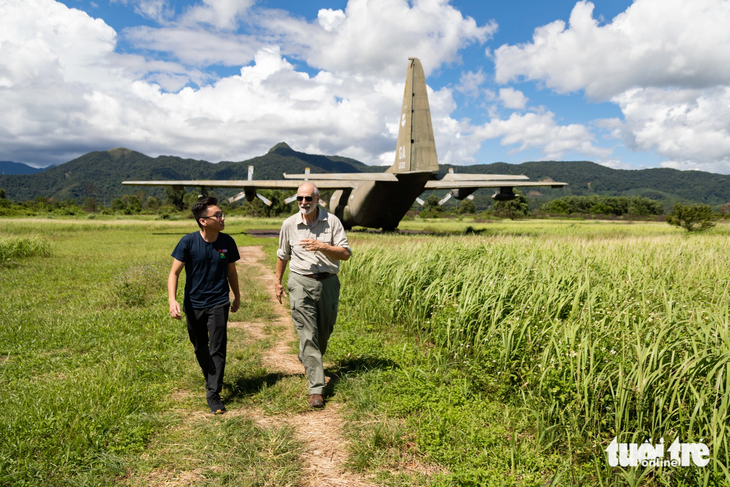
[[331, 251], [278, 287], [233, 282], [172, 278]]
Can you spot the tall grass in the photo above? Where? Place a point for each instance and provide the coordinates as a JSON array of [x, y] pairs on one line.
[[13, 248], [600, 338]]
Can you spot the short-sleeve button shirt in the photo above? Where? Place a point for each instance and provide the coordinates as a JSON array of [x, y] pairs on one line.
[[327, 229]]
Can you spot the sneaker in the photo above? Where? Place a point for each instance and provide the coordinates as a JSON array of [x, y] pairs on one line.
[[216, 406]]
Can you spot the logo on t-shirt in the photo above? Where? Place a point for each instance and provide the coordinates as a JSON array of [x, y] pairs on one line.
[[222, 253]]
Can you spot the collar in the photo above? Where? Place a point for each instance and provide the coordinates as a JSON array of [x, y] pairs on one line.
[[321, 216]]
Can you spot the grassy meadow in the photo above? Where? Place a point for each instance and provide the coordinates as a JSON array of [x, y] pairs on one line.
[[509, 356]]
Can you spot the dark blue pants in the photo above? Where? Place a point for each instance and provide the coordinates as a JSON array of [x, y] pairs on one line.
[[208, 333]]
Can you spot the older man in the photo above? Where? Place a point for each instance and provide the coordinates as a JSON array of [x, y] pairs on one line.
[[315, 243]]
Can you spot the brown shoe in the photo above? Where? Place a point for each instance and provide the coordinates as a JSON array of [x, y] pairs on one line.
[[316, 401]]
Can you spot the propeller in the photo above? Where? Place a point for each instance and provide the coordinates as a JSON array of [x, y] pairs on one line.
[[242, 194]]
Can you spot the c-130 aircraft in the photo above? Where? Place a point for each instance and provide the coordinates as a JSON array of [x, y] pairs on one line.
[[380, 200]]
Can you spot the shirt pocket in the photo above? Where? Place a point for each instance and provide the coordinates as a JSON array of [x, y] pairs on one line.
[[325, 236]]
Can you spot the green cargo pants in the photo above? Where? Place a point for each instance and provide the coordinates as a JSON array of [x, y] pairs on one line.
[[314, 312]]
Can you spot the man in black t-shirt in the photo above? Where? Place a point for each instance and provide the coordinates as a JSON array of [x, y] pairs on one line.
[[208, 257]]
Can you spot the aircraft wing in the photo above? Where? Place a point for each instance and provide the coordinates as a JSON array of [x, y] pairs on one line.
[[260, 184], [489, 184], [358, 176], [481, 177]]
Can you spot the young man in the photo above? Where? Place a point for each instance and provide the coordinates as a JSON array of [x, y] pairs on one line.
[[209, 258], [315, 243]]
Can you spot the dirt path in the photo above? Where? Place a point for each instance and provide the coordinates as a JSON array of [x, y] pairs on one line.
[[325, 448]]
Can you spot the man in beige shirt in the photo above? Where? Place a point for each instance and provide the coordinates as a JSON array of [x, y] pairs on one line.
[[315, 243]]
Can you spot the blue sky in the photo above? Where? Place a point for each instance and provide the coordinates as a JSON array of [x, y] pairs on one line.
[[625, 84]]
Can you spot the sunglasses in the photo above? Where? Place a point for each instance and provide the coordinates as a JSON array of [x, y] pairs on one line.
[[217, 216], [305, 198]]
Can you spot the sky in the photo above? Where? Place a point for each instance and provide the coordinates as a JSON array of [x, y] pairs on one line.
[[630, 85]]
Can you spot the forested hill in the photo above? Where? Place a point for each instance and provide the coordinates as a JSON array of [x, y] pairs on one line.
[[9, 167], [585, 178], [99, 174]]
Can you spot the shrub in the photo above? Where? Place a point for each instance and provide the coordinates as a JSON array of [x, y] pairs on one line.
[[13, 248], [139, 284], [467, 206], [693, 218], [513, 208], [604, 205]]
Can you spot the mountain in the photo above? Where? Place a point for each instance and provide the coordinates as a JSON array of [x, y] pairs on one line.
[[14, 168], [100, 174], [585, 178]]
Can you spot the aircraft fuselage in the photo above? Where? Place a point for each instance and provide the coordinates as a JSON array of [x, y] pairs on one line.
[[379, 204]]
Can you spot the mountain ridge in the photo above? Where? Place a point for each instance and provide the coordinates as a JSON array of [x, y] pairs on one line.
[[99, 174], [17, 168]]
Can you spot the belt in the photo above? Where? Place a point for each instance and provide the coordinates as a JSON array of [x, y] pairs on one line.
[[320, 276]]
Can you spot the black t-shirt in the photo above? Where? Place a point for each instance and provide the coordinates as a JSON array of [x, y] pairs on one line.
[[206, 269]]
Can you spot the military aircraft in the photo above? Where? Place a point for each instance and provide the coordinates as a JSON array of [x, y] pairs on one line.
[[380, 200]]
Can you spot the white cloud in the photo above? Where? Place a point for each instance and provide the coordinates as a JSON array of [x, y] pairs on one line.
[[665, 63], [691, 128], [540, 131], [196, 47], [654, 43], [375, 37], [330, 19], [158, 10], [70, 93], [221, 14], [469, 83], [512, 98], [67, 91]]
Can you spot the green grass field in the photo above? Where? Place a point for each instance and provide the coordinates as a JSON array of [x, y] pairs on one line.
[[509, 357]]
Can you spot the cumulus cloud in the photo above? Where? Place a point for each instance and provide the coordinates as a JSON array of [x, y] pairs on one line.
[[512, 98], [221, 14], [469, 83], [540, 131], [330, 19], [158, 10], [654, 43], [375, 37], [67, 90], [196, 47], [689, 127], [664, 63]]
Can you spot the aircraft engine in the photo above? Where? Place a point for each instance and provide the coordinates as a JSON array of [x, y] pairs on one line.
[[462, 193], [505, 194]]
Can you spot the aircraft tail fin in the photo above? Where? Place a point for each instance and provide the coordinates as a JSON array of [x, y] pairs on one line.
[[416, 148]]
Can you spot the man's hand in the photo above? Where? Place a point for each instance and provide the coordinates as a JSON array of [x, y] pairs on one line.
[[175, 310], [331, 251], [235, 304], [278, 291], [312, 244]]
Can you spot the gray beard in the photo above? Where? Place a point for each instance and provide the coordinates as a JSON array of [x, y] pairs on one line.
[[310, 210]]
